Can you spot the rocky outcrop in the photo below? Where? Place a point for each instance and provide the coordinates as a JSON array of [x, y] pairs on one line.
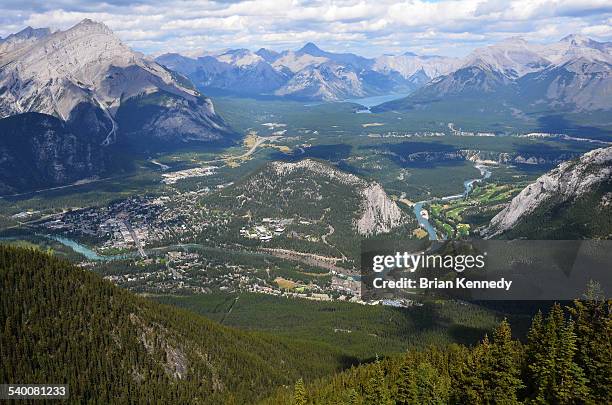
[[379, 214], [520, 158], [376, 213], [40, 151], [565, 183]]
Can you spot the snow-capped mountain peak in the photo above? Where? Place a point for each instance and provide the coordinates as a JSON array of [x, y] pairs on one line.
[[577, 40]]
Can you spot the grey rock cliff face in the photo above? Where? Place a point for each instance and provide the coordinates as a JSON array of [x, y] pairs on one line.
[[102, 93], [40, 151], [565, 183], [379, 214], [88, 64]]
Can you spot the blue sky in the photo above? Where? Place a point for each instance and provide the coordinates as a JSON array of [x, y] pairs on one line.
[[370, 28]]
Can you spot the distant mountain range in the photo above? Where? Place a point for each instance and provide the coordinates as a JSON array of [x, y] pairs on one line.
[[69, 97], [309, 73], [91, 92], [572, 73]]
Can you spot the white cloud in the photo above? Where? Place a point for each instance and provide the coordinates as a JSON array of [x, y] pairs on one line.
[[598, 30], [367, 27]]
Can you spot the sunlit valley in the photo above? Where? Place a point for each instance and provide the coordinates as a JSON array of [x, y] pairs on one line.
[[227, 196]]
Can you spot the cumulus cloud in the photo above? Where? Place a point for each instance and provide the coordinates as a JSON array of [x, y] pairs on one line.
[[451, 27]]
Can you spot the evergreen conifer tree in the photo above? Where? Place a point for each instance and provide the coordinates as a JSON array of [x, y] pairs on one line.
[[406, 384], [593, 328], [299, 393], [377, 392], [432, 387], [504, 380], [571, 384]]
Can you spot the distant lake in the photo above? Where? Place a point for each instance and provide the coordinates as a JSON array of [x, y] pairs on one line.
[[374, 100], [367, 102]]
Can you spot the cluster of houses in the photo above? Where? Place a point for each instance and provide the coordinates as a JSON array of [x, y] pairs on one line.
[[266, 231], [173, 177]]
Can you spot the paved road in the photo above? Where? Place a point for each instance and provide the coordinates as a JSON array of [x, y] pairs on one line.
[[260, 140], [136, 240]]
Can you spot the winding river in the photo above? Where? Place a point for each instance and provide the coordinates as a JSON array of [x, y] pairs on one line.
[[468, 186], [94, 256], [84, 250]]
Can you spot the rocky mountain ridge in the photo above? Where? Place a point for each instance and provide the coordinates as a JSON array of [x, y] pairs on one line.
[[103, 91], [565, 184], [574, 70], [88, 67], [23, 37], [309, 73], [573, 74]]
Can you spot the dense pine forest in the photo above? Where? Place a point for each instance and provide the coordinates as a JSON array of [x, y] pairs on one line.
[[567, 359], [62, 324]]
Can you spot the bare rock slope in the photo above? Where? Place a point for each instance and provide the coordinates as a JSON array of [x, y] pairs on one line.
[[556, 195], [86, 68], [95, 92]]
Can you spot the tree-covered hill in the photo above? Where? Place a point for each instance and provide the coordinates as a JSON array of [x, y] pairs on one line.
[[567, 359], [61, 324], [334, 208]]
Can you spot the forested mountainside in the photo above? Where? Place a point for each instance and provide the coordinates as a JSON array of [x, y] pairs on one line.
[[39, 151], [372, 213], [567, 359], [572, 201], [62, 324], [343, 205]]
